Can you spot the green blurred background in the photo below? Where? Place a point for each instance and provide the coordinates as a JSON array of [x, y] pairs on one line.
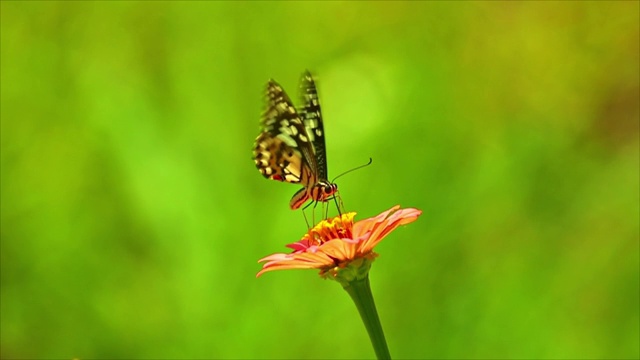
[[133, 215]]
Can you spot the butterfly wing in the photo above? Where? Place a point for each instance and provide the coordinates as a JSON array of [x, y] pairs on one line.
[[312, 119], [283, 150]]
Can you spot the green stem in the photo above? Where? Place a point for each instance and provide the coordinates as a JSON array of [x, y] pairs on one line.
[[360, 292]]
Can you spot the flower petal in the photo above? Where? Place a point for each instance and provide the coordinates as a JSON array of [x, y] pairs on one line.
[[382, 229], [361, 227], [340, 249], [283, 267], [304, 260]]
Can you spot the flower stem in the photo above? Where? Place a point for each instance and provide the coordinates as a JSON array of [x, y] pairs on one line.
[[360, 292]]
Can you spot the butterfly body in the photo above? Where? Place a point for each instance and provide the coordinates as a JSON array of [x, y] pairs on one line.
[[291, 146]]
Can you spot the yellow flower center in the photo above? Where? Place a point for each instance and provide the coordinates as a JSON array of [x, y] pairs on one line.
[[338, 227]]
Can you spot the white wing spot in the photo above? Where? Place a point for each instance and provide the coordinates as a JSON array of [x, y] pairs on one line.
[[287, 140]]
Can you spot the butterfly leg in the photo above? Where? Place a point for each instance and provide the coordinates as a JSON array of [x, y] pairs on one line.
[[313, 213], [305, 218], [325, 211], [339, 206], [315, 204]]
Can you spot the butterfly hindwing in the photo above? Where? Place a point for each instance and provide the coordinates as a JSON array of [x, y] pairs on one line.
[[283, 150]]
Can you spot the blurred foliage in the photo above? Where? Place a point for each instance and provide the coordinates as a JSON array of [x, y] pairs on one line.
[[133, 216]]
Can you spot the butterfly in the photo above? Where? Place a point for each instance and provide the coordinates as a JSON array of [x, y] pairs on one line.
[[291, 145]]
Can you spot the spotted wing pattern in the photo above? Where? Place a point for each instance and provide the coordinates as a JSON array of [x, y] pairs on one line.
[[283, 151]]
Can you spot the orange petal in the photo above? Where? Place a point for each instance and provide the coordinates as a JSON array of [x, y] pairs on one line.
[[383, 228], [340, 249], [361, 227]]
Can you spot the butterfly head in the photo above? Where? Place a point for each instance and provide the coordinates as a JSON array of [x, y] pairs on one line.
[[323, 190]]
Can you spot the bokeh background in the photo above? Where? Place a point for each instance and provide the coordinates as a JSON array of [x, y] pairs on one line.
[[133, 216]]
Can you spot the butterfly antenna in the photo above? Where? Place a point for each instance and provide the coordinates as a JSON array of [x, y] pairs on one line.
[[354, 169]]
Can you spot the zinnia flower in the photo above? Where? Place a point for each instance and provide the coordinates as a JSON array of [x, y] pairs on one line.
[[340, 248], [343, 251]]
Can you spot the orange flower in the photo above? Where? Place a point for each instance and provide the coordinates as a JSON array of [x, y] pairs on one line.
[[338, 244]]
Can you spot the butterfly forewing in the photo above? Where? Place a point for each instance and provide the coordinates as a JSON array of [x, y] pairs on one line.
[[312, 119]]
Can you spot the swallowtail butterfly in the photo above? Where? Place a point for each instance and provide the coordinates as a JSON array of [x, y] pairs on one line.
[[291, 145]]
